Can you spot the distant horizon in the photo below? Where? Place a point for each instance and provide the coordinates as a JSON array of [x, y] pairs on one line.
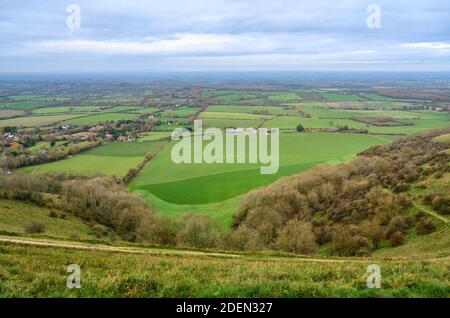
[[224, 35], [226, 76]]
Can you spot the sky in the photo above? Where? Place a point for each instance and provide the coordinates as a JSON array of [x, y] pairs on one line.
[[39, 36]]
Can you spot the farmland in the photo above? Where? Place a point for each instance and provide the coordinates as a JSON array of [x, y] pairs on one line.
[[110, 159], [35, 121], [100, 118], [215, 189], [64, 109], [123, 187], [210, 188]]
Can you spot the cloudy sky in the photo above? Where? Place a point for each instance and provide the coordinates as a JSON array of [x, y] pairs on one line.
[[235, 35]]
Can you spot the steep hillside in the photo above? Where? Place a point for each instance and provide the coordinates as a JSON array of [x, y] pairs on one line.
[[387, 196]]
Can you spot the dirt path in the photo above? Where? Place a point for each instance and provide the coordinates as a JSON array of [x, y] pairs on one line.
[[161, 251]]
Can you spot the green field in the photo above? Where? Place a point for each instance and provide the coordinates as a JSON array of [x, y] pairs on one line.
[[169, 128], [24, 105], [35, 121], [65, 109], [155, 135], [232, 123], [143, 110], [284, 97], [180, 112], [236, 96], [271, 110], [291, 122], [124, 108], [230, 115], [374, 96], [205, 188], [339, 97], [100, 118], [114, 158]]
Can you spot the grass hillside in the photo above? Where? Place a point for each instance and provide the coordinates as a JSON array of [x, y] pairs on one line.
[[18, 217], [32, 271]]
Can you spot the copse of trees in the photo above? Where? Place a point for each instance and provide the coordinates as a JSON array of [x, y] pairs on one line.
[[22, 158]]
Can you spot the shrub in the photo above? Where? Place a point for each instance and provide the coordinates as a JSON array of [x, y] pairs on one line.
[[441, 204], [401, 187], [53, 214], [102, 200], [197, 231], [396, 238], [438, 201], [425, 226], [34, 227], [349, 241], [100, 230], [243, 238], [401, 223], [322, 234], [297, 237], [419, 214], [300, 128]]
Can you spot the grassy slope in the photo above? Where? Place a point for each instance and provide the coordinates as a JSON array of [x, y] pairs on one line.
[[443, 139], [15, 215], [41, 272]]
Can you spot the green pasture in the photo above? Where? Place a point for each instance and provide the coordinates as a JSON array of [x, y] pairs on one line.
[[115, 159], [199, 184], [223, 115], [100, 118], [339, 97], [180, 112], [271, 110], [65, 109]]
